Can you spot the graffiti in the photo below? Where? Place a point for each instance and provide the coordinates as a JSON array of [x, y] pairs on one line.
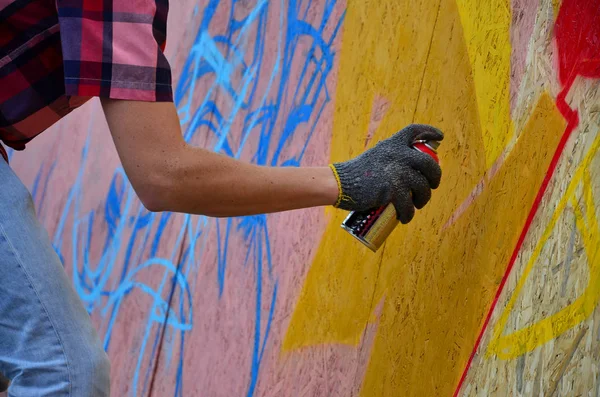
[[506, 80], [577, 42], [510, 346], [104, 283], [133, 235], [514, 333]]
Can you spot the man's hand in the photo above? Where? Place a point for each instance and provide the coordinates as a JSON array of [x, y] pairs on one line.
[[391, 172]]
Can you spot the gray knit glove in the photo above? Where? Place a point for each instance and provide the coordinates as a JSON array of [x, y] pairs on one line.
[[391, 172]]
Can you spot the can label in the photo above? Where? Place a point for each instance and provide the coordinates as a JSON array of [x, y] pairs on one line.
[[372, 227]]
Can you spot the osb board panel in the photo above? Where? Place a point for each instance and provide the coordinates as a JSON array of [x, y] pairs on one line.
[[542, 338], [289, 304]]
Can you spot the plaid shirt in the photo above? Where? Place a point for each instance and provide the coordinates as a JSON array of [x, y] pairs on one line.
[[57, 54]]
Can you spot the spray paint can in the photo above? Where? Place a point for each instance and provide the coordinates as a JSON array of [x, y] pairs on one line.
[[372, 227]]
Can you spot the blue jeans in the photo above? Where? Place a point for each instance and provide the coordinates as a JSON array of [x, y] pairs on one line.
[[48, 345]]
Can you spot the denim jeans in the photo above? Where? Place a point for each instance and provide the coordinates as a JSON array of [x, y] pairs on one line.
[[48, 345]]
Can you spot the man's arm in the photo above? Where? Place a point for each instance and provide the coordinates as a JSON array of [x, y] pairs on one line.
[[170, 175]]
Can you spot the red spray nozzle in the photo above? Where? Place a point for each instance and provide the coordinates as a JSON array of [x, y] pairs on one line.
[[428, 147]]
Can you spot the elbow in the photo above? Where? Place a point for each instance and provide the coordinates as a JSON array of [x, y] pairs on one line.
[[155, 190], [154, 203]]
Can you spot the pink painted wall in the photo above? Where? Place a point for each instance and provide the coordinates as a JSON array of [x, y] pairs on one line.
[[190, 305]]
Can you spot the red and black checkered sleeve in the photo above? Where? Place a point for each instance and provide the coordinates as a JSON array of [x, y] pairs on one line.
[[114, 48]]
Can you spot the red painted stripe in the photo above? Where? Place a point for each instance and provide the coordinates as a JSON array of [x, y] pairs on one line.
[[538, 198]]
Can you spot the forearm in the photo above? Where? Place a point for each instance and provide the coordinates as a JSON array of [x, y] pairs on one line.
[[201, 182]]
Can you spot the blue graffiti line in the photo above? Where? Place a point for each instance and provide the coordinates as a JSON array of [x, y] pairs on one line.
[[271, 84], [259, 111]]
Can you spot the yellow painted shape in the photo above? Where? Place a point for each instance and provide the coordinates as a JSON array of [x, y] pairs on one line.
[[385, 45], [529, 338], [556, 6], [486, 25], [437, 284]]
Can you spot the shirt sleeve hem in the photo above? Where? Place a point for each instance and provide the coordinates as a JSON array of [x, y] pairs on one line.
[[124, 90]]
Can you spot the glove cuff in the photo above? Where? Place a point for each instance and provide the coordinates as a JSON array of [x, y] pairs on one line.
[[339, 184], [346, 177]]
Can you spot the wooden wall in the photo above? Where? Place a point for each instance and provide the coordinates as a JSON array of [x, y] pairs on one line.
[[491, 290]]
